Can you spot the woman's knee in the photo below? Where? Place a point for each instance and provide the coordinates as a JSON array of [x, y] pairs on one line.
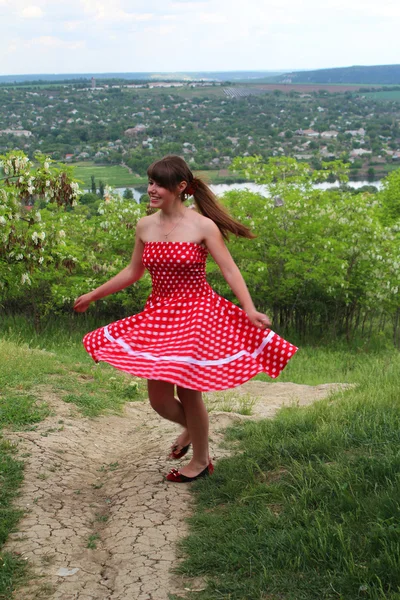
[[159, 404], [161, 393], [188, 396]]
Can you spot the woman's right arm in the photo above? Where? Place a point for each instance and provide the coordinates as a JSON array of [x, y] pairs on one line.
[[133, 272]]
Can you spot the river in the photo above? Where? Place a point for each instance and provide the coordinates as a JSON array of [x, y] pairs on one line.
[[221, 188]]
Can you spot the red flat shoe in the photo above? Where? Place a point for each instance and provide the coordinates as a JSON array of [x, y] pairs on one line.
[[176, 454], [177, 477]]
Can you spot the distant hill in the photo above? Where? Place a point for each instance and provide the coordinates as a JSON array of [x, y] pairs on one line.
[[189, 76], [380, 74]]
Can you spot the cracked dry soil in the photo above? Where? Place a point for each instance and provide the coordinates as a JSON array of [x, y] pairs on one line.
[[101, 523]]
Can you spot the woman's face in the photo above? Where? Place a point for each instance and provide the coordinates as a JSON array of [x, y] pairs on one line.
[[161, 196]]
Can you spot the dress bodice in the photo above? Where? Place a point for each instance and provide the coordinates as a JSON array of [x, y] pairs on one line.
[[176, 268]]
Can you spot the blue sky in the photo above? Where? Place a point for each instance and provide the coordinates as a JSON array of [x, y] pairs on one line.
[[93, 36]]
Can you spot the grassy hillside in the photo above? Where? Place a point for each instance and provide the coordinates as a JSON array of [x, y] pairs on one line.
[[308, 508]]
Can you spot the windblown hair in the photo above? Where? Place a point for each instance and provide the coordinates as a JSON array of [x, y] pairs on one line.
[[171, 170]]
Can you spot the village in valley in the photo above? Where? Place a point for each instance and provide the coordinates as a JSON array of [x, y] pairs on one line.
[[209, 123]]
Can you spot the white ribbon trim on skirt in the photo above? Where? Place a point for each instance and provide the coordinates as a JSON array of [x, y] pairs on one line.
[[189, 359]]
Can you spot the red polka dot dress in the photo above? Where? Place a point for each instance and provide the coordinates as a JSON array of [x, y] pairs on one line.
[[187, 334]]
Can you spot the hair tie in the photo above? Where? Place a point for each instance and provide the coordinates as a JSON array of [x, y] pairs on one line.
[[191, 188]]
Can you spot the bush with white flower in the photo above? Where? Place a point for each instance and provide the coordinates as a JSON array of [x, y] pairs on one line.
[[33, 203], [52, 249], [323, 261]]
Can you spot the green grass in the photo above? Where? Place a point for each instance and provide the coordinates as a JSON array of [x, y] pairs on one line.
[[12, 568], [11, 475], [215, 176], [309, 508], [13, 571], [337, 363], [70, 374], [113, 175], [30, 367], [118, 176], [394, 95]]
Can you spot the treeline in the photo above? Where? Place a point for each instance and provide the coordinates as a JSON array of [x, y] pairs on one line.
[[380, 74], [72, 77]]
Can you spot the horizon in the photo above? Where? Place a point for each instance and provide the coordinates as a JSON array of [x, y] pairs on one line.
[[97, 36], [187, 72]]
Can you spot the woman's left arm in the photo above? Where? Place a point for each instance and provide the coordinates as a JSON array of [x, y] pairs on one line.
[[220, 253]]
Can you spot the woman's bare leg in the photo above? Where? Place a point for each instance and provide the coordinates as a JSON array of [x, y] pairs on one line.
[[191, 413], [184, 438], [196, 418], [162, 399]]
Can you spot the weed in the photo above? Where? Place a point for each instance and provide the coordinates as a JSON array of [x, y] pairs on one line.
[[101, 518], [230, 401], [44, 590], [97, 486], [92, 541]]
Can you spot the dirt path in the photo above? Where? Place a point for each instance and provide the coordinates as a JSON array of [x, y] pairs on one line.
[[126, 167], [99, 483]]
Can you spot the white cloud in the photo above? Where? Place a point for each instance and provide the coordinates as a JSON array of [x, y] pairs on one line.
[[190, 35], [113, 11], [32, 12], [209, 17], [73, 25], [49, 41], [11, 48], [187, 6], [160, 30]]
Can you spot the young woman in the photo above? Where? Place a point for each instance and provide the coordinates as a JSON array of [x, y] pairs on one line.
[[187, 335]]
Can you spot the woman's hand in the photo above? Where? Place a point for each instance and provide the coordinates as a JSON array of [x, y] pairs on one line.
[[82, 303], [258, 319]]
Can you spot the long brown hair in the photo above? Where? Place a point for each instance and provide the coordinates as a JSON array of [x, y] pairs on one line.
[[171, 170]]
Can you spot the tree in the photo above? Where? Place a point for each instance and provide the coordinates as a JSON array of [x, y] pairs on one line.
[[390, 198], [101, 189], [93, 185], [128, 194]]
